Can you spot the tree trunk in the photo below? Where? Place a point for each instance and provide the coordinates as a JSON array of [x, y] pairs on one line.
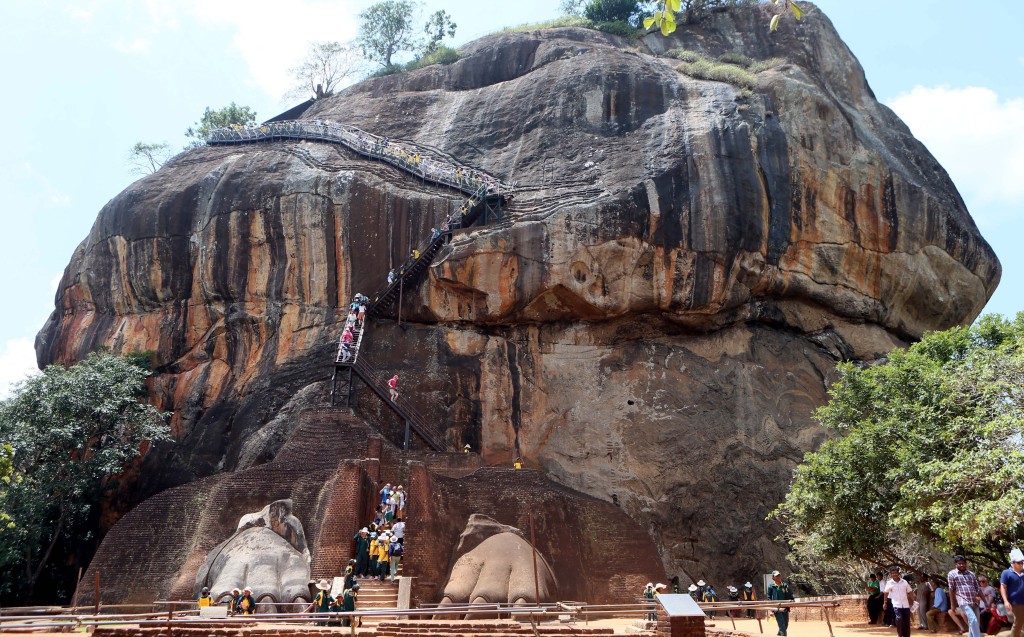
[[33, 578]]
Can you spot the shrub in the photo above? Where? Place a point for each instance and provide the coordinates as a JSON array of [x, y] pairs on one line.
[[705, 69], [759, 66], [684, 55], [612, 11], [732, 57], [441, 55], [564, 21], [619, 27]]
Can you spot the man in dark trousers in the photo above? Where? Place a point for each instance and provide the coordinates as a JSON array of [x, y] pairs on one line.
[[362, 540], [348, 604], [779, 591]]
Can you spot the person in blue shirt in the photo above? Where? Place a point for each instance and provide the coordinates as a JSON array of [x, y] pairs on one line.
[[1011, 585], [936, 615]]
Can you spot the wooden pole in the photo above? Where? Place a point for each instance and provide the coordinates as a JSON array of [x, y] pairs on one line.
[[828, 621], [401, 281], [78, 585], [536, 579], [97, 591]]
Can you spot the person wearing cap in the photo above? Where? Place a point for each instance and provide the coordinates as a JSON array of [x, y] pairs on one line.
[[362, 540], [779, 591], [901, 594], [964, 593], [649, 594], [204, 598], [233, 599], [374, 555], [395, 551], [383, 559], [246, 604], [707, 594], [734, 596], [749, 595], [348, 604], [1011, 586], [323, 600]]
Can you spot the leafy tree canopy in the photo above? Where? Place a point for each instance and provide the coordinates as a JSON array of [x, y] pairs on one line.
[[386, 29], [930, 446], [614, 11], [230, 115], [665, 17], [66, 432], [439, 26], [145, 159]]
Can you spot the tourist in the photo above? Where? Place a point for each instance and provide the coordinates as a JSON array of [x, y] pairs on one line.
[[393, 387], [779, 591], [707, 595], [384, 556], [362, 540], [391, 276], [924, 600], [900, 594], [385, 493], [434, 233], [648, 593], [348, 604], [986, 603], [1011, 586], [346, 351], [749, 596], [395, 551], [246, 604], [362, 313], [236, 596], [322, 602], [400, 494], [350, 575], [940, 606], [675, 585], [734, 596], [692, 590], [374, 555], [518, 463], [466, 448], [204, 598], [398, 530], [964, 592], [875, 599]]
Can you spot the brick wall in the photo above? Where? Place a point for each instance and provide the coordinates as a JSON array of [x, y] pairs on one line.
[[345, 503]]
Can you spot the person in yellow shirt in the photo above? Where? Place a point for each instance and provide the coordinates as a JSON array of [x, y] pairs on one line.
[[204, 598], [383, 559]]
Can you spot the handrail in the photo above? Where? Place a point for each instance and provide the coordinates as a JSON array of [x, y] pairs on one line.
[[413, 159], [405, 409]]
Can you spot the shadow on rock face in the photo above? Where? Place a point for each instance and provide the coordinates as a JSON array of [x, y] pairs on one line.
[[494, 564], [267, 552]]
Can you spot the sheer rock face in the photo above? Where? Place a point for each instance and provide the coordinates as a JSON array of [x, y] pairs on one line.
[[687, 263]]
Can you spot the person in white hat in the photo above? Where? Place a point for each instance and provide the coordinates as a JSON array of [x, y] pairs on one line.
[[246, 604], [1011, 585], [323, 600], [749, 595], [362, 540], [692, 588], [649, 594]]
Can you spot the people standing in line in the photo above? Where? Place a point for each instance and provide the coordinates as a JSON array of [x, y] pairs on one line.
[[734, 596], [350, 575], [749, 595], [246, 604], [232, 601], [400, 494], [395, 552], [940, 606], [964, 593], [924, 600], [374, 556], [875, 598], [393, 387], [385, 493], [901, 595], [384, 556], [1011, 585], [362, 540], [362, 314], [398, 530], [692, 590], [778, 590]]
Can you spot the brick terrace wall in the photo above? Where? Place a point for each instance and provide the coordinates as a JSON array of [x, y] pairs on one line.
[[851, 608], [155, 551], [344, 503], [679, 626], [596, 551]]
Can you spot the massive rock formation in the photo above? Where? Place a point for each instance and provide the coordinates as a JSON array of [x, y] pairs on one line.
[[687, 262]]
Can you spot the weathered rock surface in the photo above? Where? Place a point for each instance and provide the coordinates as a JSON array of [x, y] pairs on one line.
[[686, 265]]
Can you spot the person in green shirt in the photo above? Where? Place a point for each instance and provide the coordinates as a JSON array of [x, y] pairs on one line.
[[875, 601], [348, 603], [779, 591]]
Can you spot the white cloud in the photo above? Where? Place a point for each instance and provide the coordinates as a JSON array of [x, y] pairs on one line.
[[138, 45], [272, 40], [17, 360], [977, 136]]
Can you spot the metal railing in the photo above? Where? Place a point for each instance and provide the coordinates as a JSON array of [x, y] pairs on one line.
[[408, 157]]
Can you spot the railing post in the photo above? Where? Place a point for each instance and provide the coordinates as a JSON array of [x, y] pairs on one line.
[[405, 445]]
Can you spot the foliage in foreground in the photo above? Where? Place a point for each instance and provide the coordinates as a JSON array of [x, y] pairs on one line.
[[930, 447], [70, 431]]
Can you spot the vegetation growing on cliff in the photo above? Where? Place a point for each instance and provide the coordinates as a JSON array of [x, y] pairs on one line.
[[930, 447], [731, 67], [71, 432]]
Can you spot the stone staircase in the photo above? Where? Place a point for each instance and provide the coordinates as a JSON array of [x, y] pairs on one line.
[[480, 627], [377, 595]]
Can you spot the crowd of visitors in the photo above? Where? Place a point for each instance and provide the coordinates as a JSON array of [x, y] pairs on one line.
[[970, 602]]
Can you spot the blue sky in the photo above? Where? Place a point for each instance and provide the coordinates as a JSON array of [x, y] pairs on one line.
[[86, 79]]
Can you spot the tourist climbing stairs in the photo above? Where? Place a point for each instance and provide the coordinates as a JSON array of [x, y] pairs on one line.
[[414, 421]]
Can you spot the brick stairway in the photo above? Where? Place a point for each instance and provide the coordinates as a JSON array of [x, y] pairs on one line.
[[377, 595], [484, 628]]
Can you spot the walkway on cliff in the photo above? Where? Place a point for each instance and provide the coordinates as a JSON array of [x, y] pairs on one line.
[[486, 193]]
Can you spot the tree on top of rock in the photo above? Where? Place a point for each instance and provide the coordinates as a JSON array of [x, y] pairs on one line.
[[386, 29], [324, 69], [230, 115]]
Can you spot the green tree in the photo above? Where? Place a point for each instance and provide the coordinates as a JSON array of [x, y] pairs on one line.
[[230, 115], [930, 446], [438, 27], [693, 10], [386, 29], [326, 66], [71, 430], [146, 159], [613, 11]]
